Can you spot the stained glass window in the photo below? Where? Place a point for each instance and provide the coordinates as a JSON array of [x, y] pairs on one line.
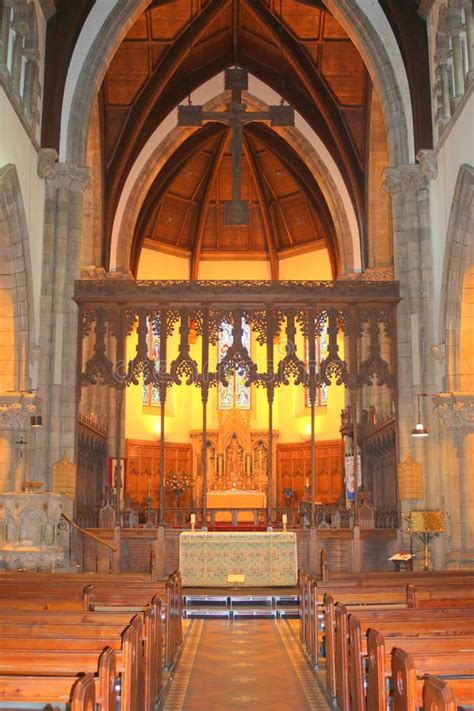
[[235, 394], [151, 393], [321, 352]]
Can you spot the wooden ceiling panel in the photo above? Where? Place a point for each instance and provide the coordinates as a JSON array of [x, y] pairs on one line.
[[332, 29], [169, 19], [279, 180], [115, 121], [256, 230], [296, 215], [355, 118], [210, 230], [157, 51], [139, 30], [233, 238], [186, 235], [303, 24], [344, 71], [171, 218], [131, 71], [190, 177]]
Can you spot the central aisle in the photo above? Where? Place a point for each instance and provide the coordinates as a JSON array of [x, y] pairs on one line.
[[253, 664]]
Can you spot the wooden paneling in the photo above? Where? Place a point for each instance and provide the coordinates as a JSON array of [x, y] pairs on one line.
[[294, 468], [143, 470]]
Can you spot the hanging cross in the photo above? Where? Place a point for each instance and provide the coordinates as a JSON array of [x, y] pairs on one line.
[[236, 212]]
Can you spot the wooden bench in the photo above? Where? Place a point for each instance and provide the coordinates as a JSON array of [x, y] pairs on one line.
[[438, 695], [414, 632], [62, 656], [337, 632], [80, 692], [409, 671]]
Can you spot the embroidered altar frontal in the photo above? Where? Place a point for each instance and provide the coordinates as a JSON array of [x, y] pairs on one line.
[[237, 559]]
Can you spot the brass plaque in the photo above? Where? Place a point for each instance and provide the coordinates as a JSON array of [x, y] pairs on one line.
[[427, 521]]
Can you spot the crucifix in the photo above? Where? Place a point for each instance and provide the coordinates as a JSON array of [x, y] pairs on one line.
[[236, 211]]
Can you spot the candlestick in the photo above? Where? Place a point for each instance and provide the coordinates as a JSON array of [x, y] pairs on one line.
[[149, 487]]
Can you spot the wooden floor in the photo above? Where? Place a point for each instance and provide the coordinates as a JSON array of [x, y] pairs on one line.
[[249, 664]]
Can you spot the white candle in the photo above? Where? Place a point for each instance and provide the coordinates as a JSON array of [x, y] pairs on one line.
[[284, 519], [193, 519], [307, 482]]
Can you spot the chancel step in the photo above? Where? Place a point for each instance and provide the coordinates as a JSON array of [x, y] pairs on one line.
[[239, 604]]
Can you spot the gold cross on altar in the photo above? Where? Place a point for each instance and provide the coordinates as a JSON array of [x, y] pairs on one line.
[[236, 211]]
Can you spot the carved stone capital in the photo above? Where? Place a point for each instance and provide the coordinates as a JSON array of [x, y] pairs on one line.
[[47, 158], [65, 176], [404, 178], [456, 411], [16, 409], [428, 163]]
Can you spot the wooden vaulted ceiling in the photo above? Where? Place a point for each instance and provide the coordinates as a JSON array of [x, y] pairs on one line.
[[184, 210], [175, 46]]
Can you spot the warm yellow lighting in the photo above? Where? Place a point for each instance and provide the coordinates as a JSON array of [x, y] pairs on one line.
[[156, 426]]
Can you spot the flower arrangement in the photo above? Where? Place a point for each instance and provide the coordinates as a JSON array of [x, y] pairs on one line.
[[178, 481]]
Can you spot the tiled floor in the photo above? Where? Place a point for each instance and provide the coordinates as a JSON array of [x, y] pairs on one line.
[[231, 665]]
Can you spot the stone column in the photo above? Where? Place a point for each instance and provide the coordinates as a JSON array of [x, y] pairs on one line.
[[65, 184], [408, 187], [444, 114], [469, 18], [456, 413]]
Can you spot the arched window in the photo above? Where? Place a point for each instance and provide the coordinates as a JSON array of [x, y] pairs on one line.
[[19, 56], [235, 394], [151, 393], [321, 348]]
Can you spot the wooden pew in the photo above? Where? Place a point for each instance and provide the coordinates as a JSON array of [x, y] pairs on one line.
[[438, 695], [454, 595], [449, 632], [410, 670], [337, 633], [390, 590], [63, 656], [79, 692]]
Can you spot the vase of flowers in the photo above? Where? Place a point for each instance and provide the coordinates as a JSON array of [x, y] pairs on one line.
[[178, 481]]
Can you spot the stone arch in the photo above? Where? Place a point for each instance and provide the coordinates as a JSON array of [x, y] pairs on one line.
[[458, 286], [17, 279], [31, 85], [395, 103], [127, 214]]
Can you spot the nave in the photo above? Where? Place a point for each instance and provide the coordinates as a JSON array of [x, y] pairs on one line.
[[245, 664]]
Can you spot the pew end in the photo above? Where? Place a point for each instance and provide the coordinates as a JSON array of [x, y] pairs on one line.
[[438, 695]]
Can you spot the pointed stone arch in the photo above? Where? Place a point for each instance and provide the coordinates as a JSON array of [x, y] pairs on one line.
[[458, 284], [367, 27], [16, 274]]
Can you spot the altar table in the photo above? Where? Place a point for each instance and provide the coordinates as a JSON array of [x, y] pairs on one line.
[[242, 559], [236, 499]]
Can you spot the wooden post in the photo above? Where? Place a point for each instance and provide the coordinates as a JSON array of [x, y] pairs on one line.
[[204, 459], [270, 460]]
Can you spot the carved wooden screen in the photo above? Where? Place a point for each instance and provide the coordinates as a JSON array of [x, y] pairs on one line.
[[294, 471], [143, 470]]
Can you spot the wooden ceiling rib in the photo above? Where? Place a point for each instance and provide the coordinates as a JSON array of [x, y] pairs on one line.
[[169, 51], [186, 212]]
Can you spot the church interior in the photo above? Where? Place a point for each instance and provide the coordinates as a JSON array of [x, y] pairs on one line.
[[236, 355]]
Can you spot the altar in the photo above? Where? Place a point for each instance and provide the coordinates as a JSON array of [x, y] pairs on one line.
[[236, 499], [237, 559]]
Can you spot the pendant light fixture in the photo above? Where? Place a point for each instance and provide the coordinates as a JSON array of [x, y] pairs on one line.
[[419, 429]]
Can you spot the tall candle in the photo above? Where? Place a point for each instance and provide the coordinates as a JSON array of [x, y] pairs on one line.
[[193, 519], [284, 519]]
